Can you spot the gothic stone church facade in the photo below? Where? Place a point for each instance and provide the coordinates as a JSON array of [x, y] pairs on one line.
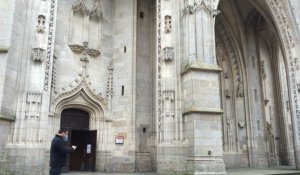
[[169, 86]]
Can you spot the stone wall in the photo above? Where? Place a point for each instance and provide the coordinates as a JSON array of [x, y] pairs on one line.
[[4, 133], [145, 120], [172, 158], [12, 18]]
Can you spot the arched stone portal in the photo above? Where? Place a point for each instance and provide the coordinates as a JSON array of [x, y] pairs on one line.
[[254, 51], [86, 115], [83, 158]]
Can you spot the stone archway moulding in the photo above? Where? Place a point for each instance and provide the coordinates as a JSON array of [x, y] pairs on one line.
[[82, 96], [287, 32]]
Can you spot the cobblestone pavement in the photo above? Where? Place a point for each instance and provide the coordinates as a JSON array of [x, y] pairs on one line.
[[243, 171]]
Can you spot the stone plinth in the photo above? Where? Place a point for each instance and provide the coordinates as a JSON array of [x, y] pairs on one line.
[[202, 116]]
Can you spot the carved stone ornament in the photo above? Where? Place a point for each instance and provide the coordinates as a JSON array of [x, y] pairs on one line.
[[38, 54], [82, 84], [33, 102], [79, 6], [158, 78], [168, 53], [110, 89], [77, 49], [34, 97], [202, 5], [227, 93], [298, 87], [240, 88], [188, 10], [226, 75], [263, 69], [168, 24], [242, 124], [297, 66], [169, 95], [50, 44], [40, 28], [96, 12], [266, 101]]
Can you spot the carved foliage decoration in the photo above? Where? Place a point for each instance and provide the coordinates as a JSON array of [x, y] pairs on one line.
[[159, 81], [40, 28], [53, 83], [96, 12], [79, 6], [82, 83], [77, 49], [208, 6], [110, 92], [50, 45]]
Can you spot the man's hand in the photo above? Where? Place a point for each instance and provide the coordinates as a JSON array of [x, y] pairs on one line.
[[74, 147]]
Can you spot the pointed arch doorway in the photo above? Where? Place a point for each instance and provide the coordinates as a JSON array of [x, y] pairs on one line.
[[83, 158]]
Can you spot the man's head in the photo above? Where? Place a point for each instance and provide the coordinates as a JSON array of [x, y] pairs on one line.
[[63, 132]]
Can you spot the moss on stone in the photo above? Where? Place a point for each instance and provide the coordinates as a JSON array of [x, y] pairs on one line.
[[3, 50], [196, 65], [7, 117], [195, 109]]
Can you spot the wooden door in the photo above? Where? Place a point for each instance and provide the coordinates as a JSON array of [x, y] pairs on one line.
[[76, 161], [90, 150], [77, 121]]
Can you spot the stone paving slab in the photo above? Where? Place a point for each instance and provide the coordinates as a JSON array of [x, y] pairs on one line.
[[103, 173], [243, 171], [275, 171]]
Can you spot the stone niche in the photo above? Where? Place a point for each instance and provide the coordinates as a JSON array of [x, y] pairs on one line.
[[85, 27]]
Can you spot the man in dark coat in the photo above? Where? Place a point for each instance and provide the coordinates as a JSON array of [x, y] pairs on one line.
[[59, 152]]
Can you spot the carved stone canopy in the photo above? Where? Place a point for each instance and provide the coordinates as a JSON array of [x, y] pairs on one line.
[[93, 13], [82, 96], [96, 12], [79, 6], [38, 54]]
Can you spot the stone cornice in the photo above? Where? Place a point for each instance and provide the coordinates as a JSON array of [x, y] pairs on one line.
[[3, 49], [202, 110], [201, 67]]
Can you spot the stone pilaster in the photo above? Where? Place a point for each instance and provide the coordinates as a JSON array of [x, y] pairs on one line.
[[200, 89]]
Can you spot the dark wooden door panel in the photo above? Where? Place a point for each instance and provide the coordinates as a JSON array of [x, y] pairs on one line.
[[77, 157], [90, 150], [77, 121], [74, 119]]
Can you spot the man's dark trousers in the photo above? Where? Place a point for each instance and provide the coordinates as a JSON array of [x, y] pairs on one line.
[[55, 171]]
